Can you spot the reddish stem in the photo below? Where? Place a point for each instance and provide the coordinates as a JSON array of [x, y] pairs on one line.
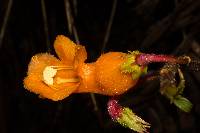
[[145, 59]]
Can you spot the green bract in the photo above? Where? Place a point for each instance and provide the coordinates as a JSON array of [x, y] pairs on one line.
[[130, 65], [132, 121]]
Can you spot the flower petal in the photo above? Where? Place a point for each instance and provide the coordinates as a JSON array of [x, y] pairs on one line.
[[69, 52], [65, 49], [80, 56], [35, 78]]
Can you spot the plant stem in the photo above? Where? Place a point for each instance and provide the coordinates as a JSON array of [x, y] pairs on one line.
[[145, 59]]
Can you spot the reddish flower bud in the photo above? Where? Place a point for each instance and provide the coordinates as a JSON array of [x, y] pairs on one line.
[[126, 117]]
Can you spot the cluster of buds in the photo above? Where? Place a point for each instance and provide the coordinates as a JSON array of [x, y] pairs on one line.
[[137, 63]]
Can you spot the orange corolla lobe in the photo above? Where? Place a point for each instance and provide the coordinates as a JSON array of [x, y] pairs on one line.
[[69, 52], [56, 79], [35, 81], [65, 49]]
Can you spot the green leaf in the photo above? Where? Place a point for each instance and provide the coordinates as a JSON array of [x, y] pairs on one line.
[[183, 103]]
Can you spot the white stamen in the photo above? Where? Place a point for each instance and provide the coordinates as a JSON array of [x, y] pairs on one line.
[[70, 80], [61, 67], [50, 72]]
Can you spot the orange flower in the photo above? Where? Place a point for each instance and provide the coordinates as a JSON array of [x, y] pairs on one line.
[[53, 78], [56, 79]]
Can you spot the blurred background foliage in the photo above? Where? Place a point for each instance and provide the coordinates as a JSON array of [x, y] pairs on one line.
[[28, 27]]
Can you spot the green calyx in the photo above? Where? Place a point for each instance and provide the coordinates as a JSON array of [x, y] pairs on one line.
[[130, 66], [132, 121]]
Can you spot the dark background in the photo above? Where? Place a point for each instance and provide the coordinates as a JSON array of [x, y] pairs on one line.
[[160, 26]]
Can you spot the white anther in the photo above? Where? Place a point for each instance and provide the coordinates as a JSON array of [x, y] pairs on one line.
[[48, 75]]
